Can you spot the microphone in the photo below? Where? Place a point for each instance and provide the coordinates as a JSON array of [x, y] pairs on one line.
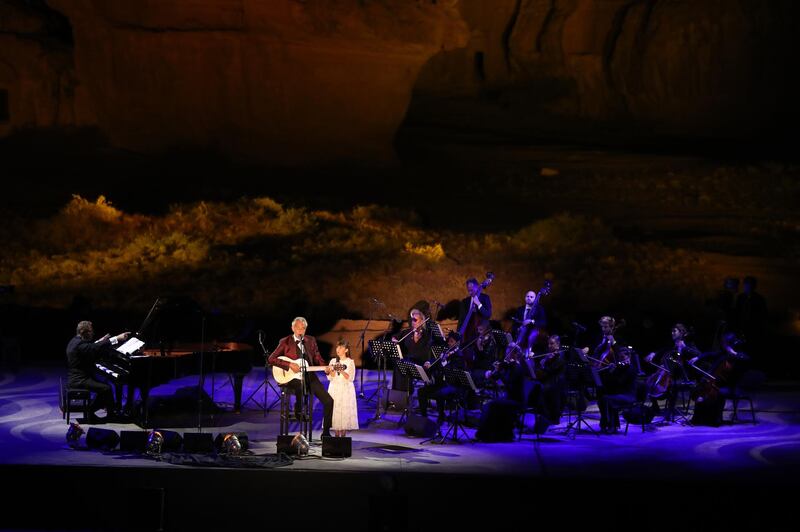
[[578, 326]]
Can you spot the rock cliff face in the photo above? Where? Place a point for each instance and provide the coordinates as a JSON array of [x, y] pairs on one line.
[[674, 67], [274, 80], [38, 87], [310, 81]]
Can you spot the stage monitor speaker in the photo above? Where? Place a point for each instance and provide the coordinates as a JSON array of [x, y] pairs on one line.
[[198, 442], [420, 426], [172, 441], [285, 444], [103, 439], [396, 400], [497, 422], [133, 441], [337, 447]]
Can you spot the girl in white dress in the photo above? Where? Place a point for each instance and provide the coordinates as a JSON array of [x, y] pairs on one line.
[[343, 391]]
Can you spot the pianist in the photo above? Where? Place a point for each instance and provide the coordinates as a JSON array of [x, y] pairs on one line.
[[82, 353], [299, 346]]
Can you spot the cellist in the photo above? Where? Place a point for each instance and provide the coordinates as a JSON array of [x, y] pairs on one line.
[[617, 375], [718, 372], [527, 321], [670, 365]]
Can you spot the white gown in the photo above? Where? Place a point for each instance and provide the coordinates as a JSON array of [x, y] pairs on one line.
[[343, 391]]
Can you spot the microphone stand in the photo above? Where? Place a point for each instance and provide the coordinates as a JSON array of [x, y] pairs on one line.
[[202, 375], [306, 423], [363, 351]]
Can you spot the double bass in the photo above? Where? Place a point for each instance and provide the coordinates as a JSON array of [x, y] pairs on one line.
[[469, 327]]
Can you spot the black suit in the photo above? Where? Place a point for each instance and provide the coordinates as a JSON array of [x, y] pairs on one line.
[[81, 357], [418, 352], [485, 311]]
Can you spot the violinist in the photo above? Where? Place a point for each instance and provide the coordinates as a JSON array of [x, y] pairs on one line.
[[439, 390], [415, 342], [546, 395], [718, 372], [670, 368], [484, 354], [617, 375], [477, 305]]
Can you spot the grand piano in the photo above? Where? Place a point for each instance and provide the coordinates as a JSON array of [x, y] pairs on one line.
[[168, 352]]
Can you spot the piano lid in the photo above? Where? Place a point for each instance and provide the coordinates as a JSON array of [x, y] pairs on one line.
[[173, 319]]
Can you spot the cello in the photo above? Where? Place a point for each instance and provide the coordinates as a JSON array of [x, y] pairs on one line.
[[514, 349]]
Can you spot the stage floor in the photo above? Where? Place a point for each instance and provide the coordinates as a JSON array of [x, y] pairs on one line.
[[32, 433]]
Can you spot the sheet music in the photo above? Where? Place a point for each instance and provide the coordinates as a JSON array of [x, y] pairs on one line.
[[131, 346], [425, 377]]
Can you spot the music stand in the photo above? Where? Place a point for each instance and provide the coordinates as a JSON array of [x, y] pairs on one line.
[[436, 333], [502, 339], [576, 377], [415, 373], [461, 379], [382, 350], [266, 383]]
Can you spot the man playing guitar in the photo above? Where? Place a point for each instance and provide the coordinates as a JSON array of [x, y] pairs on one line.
[[302, 348]]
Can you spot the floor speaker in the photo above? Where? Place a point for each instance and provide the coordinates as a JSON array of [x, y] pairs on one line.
[[285, 444], [497, 422], [396, 400], [198, 442], [337, 447], [102, 439], [172, 441], [133, 441], [420, 426]]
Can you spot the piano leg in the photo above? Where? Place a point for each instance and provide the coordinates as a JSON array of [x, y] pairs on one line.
[[238, 381], [145, 393]]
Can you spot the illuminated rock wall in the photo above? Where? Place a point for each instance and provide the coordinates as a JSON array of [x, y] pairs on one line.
[[271, 80], [683, 67]]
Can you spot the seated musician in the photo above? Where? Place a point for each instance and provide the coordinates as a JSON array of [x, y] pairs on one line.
[[484, 354], [717, 372], [527, 321], [440, 391], [672, 361], [300, 346], [82, 354], [415, 342], [617, 375], [546, 395]]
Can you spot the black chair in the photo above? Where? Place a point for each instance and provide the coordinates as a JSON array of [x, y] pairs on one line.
[[70, 398], [749, 382]]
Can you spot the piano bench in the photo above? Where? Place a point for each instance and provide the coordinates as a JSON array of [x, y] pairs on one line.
[[69, 398]]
